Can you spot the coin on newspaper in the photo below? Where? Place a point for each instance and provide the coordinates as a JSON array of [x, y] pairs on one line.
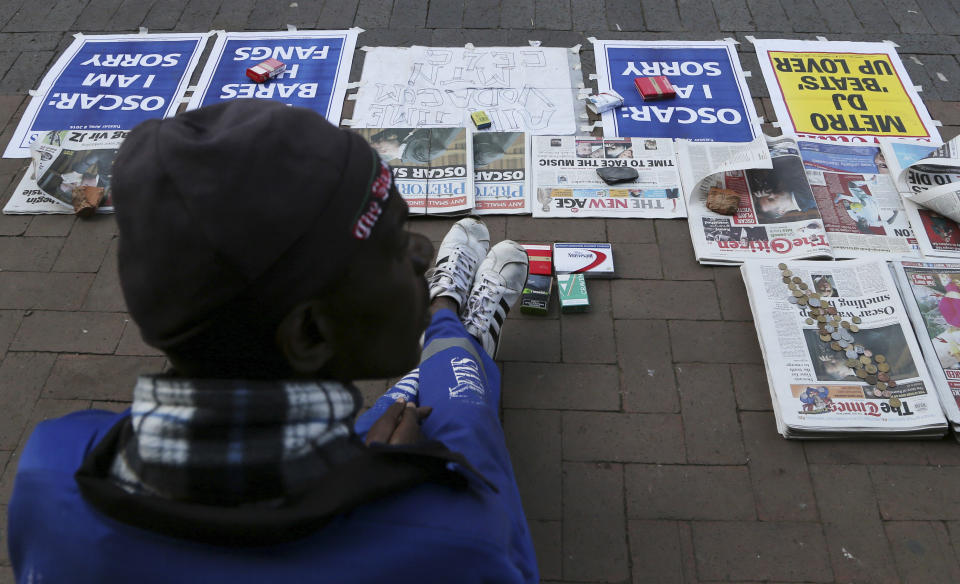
[[825, 338], [861, 373], [813, 302], [782, 266], [864, 359], [792, 299], [786, 280], [836, 346], [844, 324], [856, 320], [852, 362], [843, 344], [871, 368], [876, 392], [891, 384], [809, 321], [787, 273], [851, 354], [868, 352], [859, 349], [887, 393], [831, 310], [882, 376], [830, 328], [884, 367], [803, 285], [871, 379], [797, 280], [881, 385], [880, 358], [821, 318], [816, 295], [835, 336], [802, 301], [894, 402], [854, 328]]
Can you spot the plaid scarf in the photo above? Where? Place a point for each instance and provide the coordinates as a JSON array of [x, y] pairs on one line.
[[228, 442]]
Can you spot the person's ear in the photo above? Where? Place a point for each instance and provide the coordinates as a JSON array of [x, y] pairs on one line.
[[306, 337]]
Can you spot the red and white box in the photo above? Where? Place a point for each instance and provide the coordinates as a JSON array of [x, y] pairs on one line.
[[593, 260], [652, 88], [269, 69], [541, 259]]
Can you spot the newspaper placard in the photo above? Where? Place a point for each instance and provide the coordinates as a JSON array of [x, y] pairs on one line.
[[500, 177], [928, 176], [862, 210], [432, 167], [568, 185], [931, 292], [843, 91], [860, 379], [62, 161], [712, 102], [522, 89], [777, 216], [318, 67], [109, 83]]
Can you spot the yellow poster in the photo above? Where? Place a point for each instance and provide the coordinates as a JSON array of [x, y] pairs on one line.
[[845, 94]]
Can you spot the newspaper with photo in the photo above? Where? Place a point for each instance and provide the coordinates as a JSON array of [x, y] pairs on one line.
[[807, 199], [61, 161], [567, 183], [931, 293], [840, 354], [500, 177], [926, 175], [432, 167]]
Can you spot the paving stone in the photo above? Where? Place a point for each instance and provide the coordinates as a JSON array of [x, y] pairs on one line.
[[711, 431], [733, 15], [556, 230], [373, 13], [560, 386], [944, 451], [948, 112], [165, 15], [625, 15], [28, 41], [534, 441], [105, 293], [552, 14], [750, 387], [518, 14], [778, 471], [594, 528], [26, 71], [4, 554], [941, 16], [655, 552], [43, 290], [643, 352], [677, 256], [656, 491], [755, 83], [638, 260], [866, 452], [858, 545], [804, 16], [698, 16], [50, 226], [199, 15], [239, 11], [96, 377], [587, 18], [920, 76], [447, 14], [54, 15], [714, 342], [110, 406], [547, 545], [631, 231], [645, 299], [80, 332], [909, 16], [916, 492], [96, 14], [409, 14], [481, 14], [87, 245], [874, 16], [732, 294], [922, 551], [615, 437], [945, 75], [29, 253], [589, 337], [131, 343], [14, 224], [661, 16], [9, 323], [761, 550], [841, 17], [22, 376], [530, 340]]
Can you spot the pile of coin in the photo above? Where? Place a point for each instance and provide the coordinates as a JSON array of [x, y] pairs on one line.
[[872, 369]]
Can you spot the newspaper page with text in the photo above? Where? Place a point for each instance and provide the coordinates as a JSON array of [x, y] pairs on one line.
[[500, 173], [927, 176], [839, 350], [568, 184]]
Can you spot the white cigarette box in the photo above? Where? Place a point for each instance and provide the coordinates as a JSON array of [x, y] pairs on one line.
[[594, 260]]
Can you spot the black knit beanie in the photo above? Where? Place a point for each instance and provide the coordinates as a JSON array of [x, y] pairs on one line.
[[246, 205]]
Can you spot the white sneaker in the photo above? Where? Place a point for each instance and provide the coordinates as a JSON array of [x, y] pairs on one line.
[[498, 284], [460, 253]]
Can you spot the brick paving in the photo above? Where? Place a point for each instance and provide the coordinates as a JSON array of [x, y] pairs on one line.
[[641, 433]]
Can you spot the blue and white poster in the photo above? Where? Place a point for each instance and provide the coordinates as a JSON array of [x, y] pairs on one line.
[[318, 68], [110, 83], [712, 103]]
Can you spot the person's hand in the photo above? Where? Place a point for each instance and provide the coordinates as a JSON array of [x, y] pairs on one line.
[[400, 424]]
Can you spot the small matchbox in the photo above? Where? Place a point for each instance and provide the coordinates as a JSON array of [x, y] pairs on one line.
[[572, 289], [652, 88], [594, 260], [481, 120]]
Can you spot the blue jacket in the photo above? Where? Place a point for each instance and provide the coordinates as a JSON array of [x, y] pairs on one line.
[[430, 533]]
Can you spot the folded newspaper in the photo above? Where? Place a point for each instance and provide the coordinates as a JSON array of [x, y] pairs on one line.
[[927, 177], [62, 161], [842, 360], [432, 167], [931, 292], [500, 177], [798, 200]]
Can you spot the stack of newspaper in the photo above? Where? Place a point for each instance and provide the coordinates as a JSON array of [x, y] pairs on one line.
[[842, 360]]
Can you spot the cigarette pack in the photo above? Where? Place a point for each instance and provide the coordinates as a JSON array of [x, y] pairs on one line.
[[541, 259], [572, 289], [595, 260], [652, 88], [481, 120], [604, 102], [267, 70], [535, 298]]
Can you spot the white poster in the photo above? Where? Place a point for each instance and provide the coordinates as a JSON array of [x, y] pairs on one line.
[[317, 69], [843, 91], [522, 89]]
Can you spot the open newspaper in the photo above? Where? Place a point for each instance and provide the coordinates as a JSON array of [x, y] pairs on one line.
[[432, 167], [841, 358], [926, 177], [500, 177], [61, 161], [568, 184], [797, 201], [931, 292]]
